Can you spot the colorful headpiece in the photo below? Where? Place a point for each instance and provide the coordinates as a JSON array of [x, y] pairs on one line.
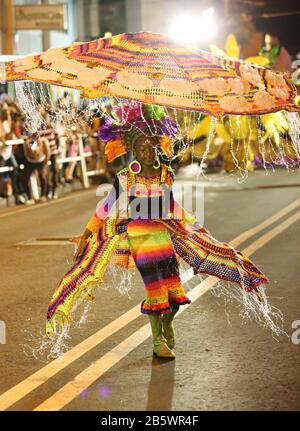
[[129, 121]]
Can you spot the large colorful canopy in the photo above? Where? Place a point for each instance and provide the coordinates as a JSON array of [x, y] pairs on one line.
[[154, 69]]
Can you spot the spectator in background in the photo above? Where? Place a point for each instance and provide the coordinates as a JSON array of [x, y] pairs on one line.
[[53, 145], [7, 158], [18, 150], [91, 143], [65, 102], [73, 152], [278, 56], [62, 150], [36, 158], [54, 151]]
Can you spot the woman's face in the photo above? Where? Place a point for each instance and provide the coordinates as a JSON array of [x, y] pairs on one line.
[[144, 150]]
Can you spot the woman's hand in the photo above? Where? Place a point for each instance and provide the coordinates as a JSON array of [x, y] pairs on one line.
[[80, 249], [82, 241], [76, 239], [257, 294]]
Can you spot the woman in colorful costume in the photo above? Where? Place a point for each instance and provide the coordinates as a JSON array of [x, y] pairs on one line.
[[153, 244]]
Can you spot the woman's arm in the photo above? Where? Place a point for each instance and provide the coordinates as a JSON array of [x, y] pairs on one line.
[[82, 241], [103, 210], [97, 219], [46, 149]]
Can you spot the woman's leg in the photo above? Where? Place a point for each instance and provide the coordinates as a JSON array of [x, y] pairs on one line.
[[168, 328], [69, 171], [154, 256], [160, 346], [54, 173], [43, 173], [28, 170]]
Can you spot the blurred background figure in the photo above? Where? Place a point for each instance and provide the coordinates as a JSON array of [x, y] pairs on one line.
[[72, 151], [36, 159], [278, 56], [54, 147], [9, 180]]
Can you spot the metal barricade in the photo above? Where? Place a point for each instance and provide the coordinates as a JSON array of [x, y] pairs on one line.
[[80, 158]]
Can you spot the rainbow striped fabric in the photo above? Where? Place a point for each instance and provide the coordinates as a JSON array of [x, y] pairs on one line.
[[154, 255], [154, 69], [154, 247]]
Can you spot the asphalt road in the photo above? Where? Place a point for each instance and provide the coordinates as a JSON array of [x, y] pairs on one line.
[[220, 363]]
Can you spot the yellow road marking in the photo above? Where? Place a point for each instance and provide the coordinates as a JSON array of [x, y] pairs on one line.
[[264, 239], [89, 375], [41, 376], [74, 388], [44, 205], [29, 384], [251, 232]]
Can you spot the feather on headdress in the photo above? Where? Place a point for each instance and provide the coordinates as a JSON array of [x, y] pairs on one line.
[[132, 120]]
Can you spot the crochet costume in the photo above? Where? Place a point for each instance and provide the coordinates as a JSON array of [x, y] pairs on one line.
[[154, 246]]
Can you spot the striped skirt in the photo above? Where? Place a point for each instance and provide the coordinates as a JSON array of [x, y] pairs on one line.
[[153, 247], [154, 255]]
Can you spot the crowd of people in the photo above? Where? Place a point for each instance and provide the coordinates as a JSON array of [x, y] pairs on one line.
[[43, 155]]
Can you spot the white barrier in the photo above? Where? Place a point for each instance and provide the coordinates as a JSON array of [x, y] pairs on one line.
[[2, 332], [81, 157]]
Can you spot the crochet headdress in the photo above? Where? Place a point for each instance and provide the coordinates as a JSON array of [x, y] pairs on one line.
[[128, 121]]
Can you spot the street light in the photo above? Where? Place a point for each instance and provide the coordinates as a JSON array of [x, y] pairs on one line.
[[191, 29]]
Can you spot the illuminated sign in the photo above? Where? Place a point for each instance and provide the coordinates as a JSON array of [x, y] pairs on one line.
[[41, 17]]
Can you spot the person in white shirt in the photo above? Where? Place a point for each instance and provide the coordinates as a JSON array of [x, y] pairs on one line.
[[7, 158], [36, 158]]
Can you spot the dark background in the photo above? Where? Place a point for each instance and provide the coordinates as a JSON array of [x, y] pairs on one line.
[[281, 18]]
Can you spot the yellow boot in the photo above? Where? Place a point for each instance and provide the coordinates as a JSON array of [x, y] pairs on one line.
[[168, 328], [160, 347]]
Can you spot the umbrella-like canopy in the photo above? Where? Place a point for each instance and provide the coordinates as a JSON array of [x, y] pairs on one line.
[[154, 69]]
